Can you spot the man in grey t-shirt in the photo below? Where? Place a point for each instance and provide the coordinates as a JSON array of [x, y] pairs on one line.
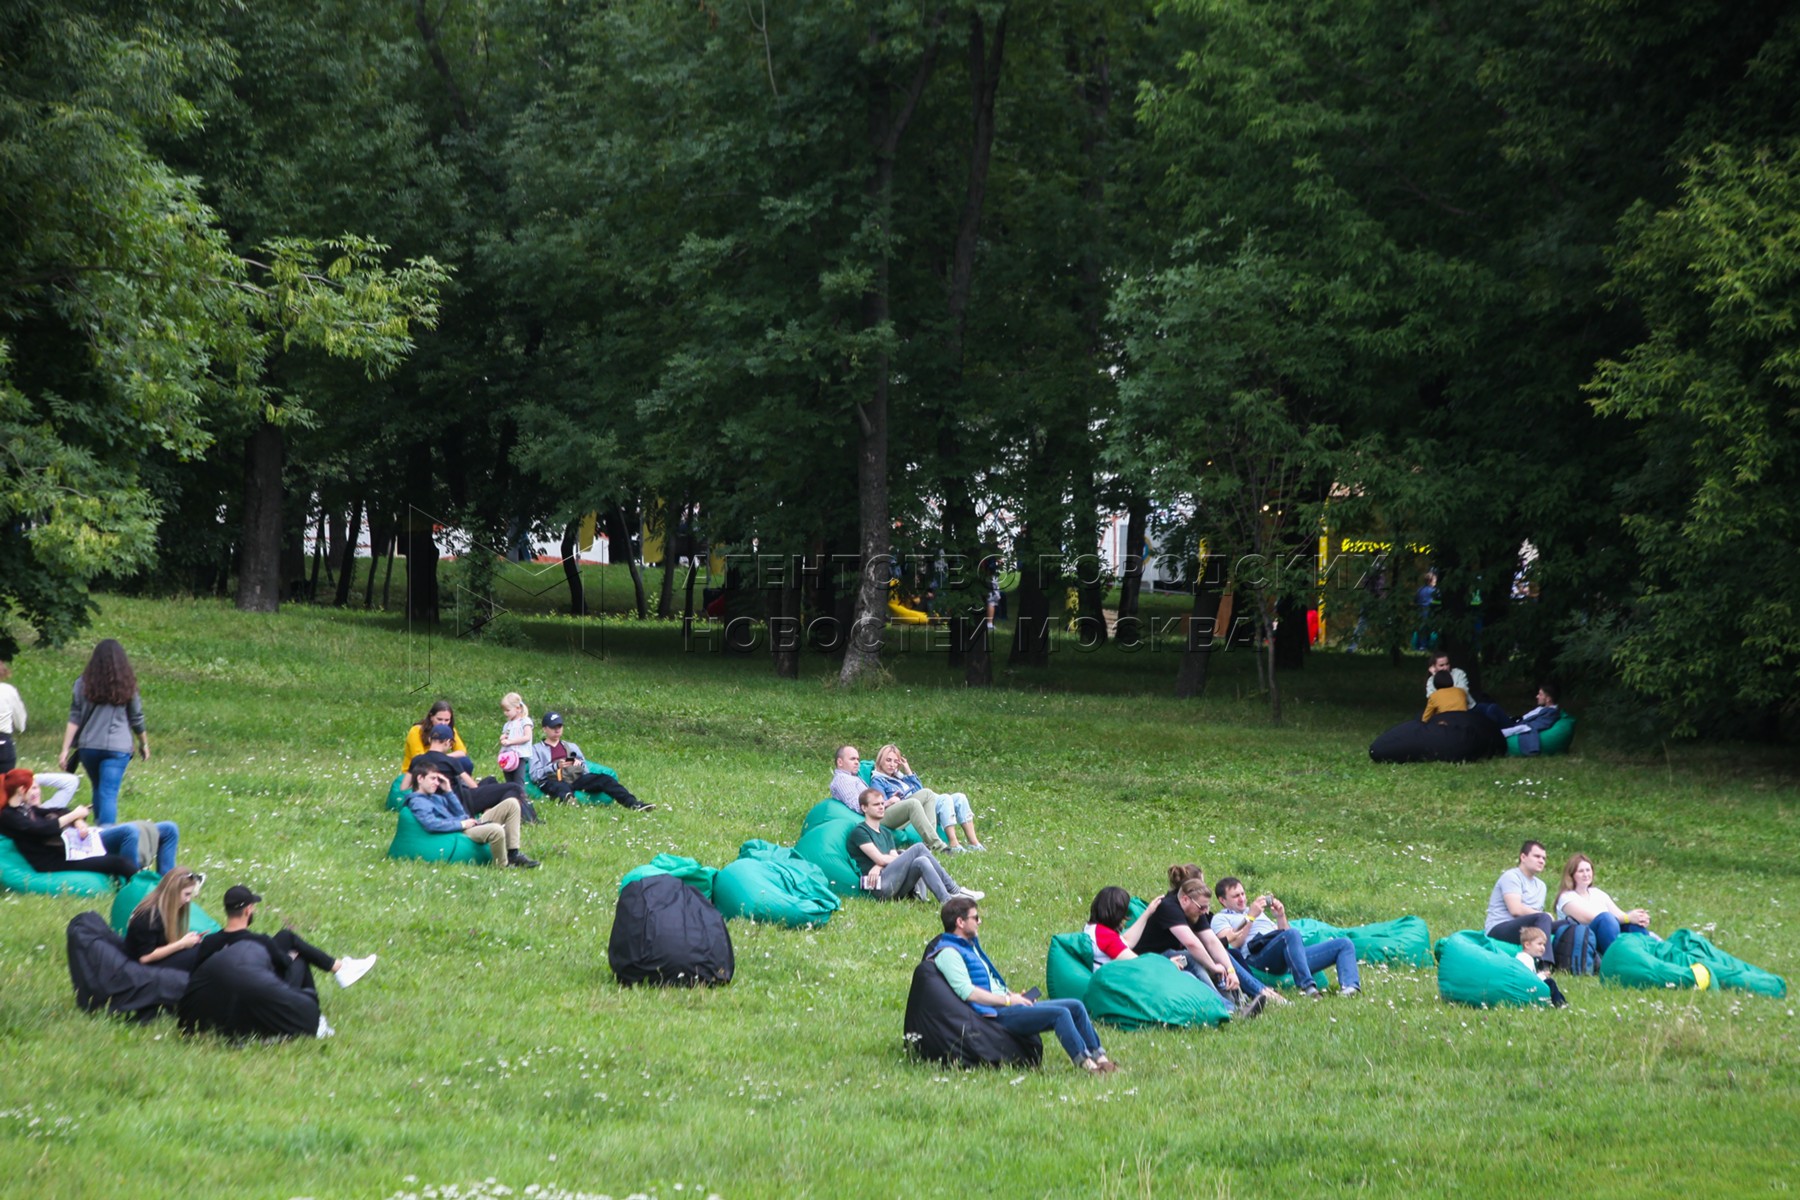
[[1517, 901]]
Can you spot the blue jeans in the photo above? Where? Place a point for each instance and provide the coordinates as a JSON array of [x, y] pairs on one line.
[[107, 770], [1248, 983], [1285, 951], [1199, 971], [1607, 929], [122, 840], [952, 809], [1069, 1018]]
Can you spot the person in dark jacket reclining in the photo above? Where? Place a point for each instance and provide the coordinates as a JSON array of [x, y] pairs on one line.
[[439, 811], [1529, 727], [971, 974]]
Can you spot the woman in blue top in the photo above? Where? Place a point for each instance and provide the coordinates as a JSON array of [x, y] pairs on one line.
[[894, 776]]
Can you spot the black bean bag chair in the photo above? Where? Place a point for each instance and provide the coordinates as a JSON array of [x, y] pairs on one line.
[[1447, 737], [237, 993], [104, 977], [942, 1028], [665, 932]]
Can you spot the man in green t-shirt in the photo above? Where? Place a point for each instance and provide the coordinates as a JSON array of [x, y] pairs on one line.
[[892, 875]]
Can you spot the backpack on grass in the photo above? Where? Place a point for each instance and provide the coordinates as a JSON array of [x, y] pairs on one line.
[[1574, 947]]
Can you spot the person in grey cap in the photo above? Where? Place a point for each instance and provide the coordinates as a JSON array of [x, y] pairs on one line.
[[560, 769], [292, 956]]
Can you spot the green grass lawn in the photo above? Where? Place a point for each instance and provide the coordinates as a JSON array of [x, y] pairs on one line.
[[492, 1042]]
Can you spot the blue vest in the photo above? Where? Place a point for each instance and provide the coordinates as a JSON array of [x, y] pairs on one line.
[[982, 971]]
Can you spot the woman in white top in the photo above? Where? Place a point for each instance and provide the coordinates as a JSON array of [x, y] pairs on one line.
[[12, 718], [1577, 898]]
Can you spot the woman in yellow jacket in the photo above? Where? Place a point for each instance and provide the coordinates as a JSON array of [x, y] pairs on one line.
[[440, 713]]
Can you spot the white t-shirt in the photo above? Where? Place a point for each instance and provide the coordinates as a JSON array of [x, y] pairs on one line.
[[12, 710], [1600, 901]]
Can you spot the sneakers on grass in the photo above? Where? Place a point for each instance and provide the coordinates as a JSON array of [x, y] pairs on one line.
[[353, 970], [325, 1030], [971, 893]]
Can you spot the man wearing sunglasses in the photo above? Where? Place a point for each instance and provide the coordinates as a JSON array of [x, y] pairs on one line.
[[971, 974]]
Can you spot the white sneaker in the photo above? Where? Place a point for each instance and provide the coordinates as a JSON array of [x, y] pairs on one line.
[[971, 893], [353, 970], [325, 1030]]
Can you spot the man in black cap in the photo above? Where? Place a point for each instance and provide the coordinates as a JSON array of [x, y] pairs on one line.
[[291, 955], [560, 769]]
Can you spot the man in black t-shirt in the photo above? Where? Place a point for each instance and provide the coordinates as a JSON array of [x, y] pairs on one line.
[[291, 956], [1176, 928]]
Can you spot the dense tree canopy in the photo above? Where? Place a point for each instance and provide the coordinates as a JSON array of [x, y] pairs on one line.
[[933, 276]]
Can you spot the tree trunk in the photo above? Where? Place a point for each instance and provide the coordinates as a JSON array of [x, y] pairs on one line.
[[618, 531], [387, 577], [862, 656], [1265, 630], [687, 609], [318, 556], [665, 600], [958, 524], [1196, 650], [379, 538], [783, 603], [977, 643], [335, 527], [1031, 624], [1292, 638], [347, 564], [1131, 579], [1096, 92], [259, 549], [421, 575], [571, 565]]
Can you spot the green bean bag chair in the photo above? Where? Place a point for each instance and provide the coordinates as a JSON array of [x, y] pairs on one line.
[[823, 846], [1404, 941], [1069, 967], [412, 841], [397, 793], [777, 891], [17, 875], [688, 870], [1475, 969], [133, 893], [1554, 740], [1636, 961], [1642, 962], [1727, 970], [534, 792], [825, 811], [1149, 990]]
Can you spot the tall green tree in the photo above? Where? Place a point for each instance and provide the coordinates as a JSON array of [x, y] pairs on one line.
[[129, 324]]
